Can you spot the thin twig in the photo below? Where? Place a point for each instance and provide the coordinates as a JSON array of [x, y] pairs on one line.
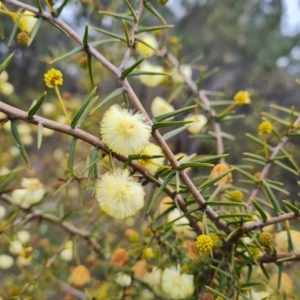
[[133, 37], [39, 214], [203, 98], [268, 164]]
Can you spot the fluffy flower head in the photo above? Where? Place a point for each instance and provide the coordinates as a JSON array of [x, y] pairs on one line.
[[241, 98], [152, 164], [151, 80], [177, 285], [149, 39], [204, 243], [53, 78], [119, 195], [160, 106], [124, 133], [199, 121], [265, 128]]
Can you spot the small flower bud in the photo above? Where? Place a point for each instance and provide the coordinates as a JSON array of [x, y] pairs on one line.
[[265, 239], [131, 235], [207, 296], [163, 2], [241, 98], [255, 252], [204, 243], [147, 232], [23, 38], [83, 62], [148, 253], [236, 196]]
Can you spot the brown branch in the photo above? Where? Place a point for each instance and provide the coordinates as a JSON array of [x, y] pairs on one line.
[[137, 104], [15, 113], [268, 258]]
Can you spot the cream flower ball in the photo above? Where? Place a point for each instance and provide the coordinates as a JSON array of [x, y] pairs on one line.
[[153, 277], [67, 253], [176, 285], [123, 132], [151, 80], [2, 211], [148, 39], [152, 164], [199, 121], [119, 195], [23, 236], [32, 192], [186, 70], [5, 87], [6, 261], [160, 106], [15, 247], [181, 225], [123, 279]]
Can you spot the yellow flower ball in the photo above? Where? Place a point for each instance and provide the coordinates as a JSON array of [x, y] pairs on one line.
[[265, 128], [123, 132], [53, 78], [241, 98], [204, 243]]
